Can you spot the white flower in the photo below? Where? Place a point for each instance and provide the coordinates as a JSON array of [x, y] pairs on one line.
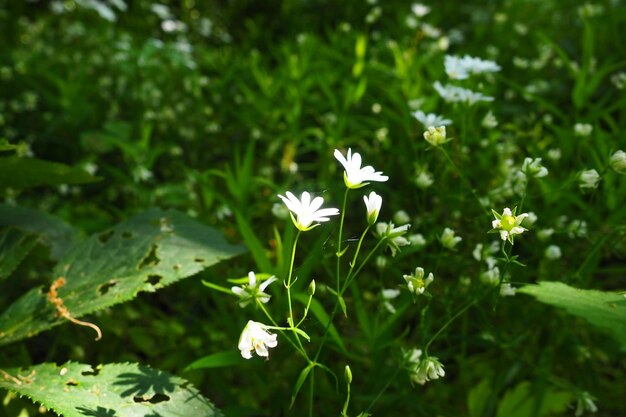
[[436, 135], [307, 211], [506, 290], [420, 10], [533, 168], [489, 121], [431, 119], [416, 282], [454, 94], [460, 68], [355, 176], [588, 179], [255, 338], [401, 217], [373, 204], [251, 292], [448, 239], [552, 252], [491, 276], [424, 179], [417, 239], [583, 129], [618, 161], [422, 371], [389, 294], [585, 403], [393, 235], [508, 223]]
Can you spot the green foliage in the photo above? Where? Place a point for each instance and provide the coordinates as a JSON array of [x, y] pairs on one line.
[[145, 253], [15, 244], [110, 390], [18, 172], [522, 401], [604, 310]]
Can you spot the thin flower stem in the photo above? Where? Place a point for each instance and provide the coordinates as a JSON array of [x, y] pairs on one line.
[[356, 253], [351, 276], [290, 276], [448, 323], [464, 178], [339, 239], [282, 331], [384, 388]]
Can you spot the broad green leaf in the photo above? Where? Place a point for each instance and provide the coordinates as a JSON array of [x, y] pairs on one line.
[[219, 360], [522, 401], [478, 397], [144, 253], [111, 390], [15, 244], [19, 173], [53, 232], [604, 310]]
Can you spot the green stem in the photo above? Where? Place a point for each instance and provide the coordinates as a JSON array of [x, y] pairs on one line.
[[445, 326], [464, 178], [339, 239], [282, 331], [382, 391], [290, 276]]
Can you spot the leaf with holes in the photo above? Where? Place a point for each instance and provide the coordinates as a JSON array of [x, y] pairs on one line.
[[145, 253], [604, 310], [111, 390]]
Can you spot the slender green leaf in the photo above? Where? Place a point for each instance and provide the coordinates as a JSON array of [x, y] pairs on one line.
[[300, 381], [111, 390], [318, 311]]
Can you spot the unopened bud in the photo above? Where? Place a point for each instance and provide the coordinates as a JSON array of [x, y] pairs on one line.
[[347, 374], [311, 289]]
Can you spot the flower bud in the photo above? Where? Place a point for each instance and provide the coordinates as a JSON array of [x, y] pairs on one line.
[[436, 135], [618, 161], [311, 289], [373, 203], [347, 374]]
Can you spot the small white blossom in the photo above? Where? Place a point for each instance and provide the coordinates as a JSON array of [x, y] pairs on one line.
[[436, 136], [588, 179], [544, 234], [422, 370], [389, 294], [553, 252], [307, 211], [431, 119], [491, 276], [533, 168], [583, 129], [460, 68], [373, 204], [417, 240], [585, 403], [416, 282], [254, 338], [448, 239], [401, 217], [251, 292], [508, 224], [618, 162], [393, 235], [419, 9], [355, 176], [530, 219], [489, 121], [506, 290], [424, 179], [454, 94]]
